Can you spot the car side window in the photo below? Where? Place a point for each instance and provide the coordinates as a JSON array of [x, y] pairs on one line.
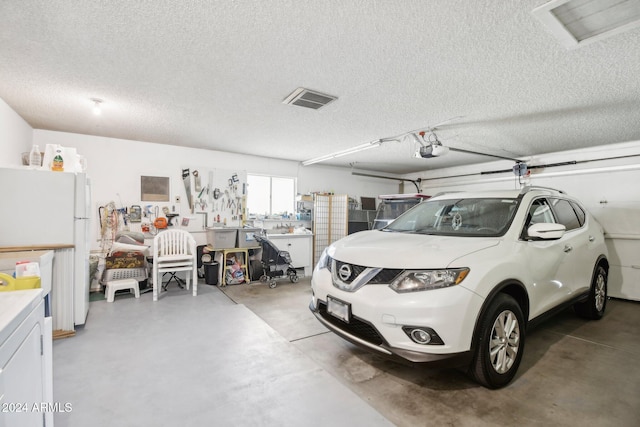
[[580, 212], [539, 212], [565, 214]]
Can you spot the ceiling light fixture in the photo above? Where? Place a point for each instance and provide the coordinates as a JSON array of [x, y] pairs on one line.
[[97, 102], [351, 150]]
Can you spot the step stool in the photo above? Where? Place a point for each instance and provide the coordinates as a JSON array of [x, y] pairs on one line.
[[116, 285]]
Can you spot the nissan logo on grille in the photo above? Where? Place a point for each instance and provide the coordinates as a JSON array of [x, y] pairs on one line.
[[344, 272]]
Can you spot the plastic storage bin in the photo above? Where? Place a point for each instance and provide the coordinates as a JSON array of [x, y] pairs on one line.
[[221, 238], [8, 283], [246, 237]]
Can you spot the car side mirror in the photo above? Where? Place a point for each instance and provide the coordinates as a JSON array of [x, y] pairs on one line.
[[546, 231]]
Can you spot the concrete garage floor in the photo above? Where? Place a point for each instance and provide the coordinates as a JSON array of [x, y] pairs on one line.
[[251, 355], [573, 373]]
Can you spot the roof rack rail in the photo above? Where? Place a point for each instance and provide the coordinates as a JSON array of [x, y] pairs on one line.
[[528, 188]]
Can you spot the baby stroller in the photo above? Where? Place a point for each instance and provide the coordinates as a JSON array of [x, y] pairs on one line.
[[275, 263]]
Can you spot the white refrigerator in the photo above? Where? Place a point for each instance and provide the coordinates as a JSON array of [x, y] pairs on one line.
[[43, 209]]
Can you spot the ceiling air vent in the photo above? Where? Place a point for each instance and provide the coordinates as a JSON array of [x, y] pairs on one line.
[[308, 98], [578, 22]]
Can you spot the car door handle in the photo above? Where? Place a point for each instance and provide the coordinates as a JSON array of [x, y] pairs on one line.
[[591, 238], [568, 248]]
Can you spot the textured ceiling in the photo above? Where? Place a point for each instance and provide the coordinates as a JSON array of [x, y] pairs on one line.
[[213, 74]]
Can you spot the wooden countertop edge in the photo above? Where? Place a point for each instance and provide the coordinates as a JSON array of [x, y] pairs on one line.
[[33, 248]]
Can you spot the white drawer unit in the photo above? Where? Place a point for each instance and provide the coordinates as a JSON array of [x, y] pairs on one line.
[[25, 371], [300, 248]]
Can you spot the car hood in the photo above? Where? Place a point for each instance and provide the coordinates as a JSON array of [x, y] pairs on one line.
[[386, 249]]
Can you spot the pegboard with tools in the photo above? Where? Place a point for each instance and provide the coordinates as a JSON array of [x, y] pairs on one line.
[[215, 197]]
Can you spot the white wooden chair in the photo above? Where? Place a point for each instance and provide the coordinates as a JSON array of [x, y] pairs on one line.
[[173, 251]]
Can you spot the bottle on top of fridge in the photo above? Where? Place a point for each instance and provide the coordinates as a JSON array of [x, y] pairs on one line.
[[35, 158], [58, 163]]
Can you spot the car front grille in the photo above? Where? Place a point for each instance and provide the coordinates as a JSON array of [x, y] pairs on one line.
[[385, 276], [355, 270], [355, 327]]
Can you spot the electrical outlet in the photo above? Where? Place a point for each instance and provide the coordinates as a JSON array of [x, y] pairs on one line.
[[177, 199]]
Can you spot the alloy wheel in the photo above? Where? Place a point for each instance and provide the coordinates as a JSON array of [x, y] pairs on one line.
[[505, 341], [600, 292]]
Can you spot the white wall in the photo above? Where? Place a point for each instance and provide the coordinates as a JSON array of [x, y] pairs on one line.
[[115, 167], [15, 136]]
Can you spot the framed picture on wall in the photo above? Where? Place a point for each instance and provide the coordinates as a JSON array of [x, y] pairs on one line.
[[154, 189]]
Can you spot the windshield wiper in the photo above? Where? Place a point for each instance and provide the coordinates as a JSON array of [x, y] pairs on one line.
[[426, 230]]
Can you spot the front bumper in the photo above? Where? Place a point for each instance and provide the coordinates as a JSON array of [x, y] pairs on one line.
[[379, 314], [443, 360]]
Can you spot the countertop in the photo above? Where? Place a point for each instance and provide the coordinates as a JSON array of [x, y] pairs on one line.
[[34, 248], [14, 308], [276, 235]]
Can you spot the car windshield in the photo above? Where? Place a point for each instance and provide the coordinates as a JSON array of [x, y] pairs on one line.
[[391, 209], [458, 217]]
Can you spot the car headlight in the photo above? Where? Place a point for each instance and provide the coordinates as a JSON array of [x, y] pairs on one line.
[[324, 260], [424, 280]]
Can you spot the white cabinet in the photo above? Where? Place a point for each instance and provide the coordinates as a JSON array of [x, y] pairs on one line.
[[300, 248], [25, 376]]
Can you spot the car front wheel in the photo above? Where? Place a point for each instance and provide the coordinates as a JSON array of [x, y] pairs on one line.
[[500, 344]]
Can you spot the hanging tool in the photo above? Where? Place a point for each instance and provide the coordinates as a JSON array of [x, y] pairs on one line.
[[125, 217], [204, 190], [160, 223], [103, 215], [135, 213], [187, 186], [170, 217], [196, 178], [210, 187], [205, 219]]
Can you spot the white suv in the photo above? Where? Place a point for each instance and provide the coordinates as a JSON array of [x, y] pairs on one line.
[[458, 279]]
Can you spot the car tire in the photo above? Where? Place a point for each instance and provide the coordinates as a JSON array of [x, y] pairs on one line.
[[593, 308], [498, 351]]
